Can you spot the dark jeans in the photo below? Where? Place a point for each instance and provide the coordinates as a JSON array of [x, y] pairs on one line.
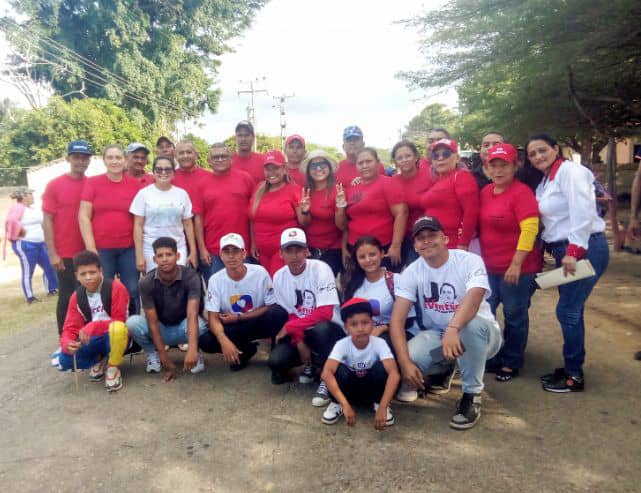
[[122, 261], [572, 298], [409, 254], [388, 339], [331, 256], [67, 284], [320, 339], [365, 390], [516, 303], [244, 333]]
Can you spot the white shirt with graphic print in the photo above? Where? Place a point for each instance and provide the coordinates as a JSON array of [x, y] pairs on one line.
[[224, 295], [360, 360], [97, 309], [441, 290], [302, 294]]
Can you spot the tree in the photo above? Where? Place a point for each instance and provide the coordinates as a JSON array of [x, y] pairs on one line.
[[158, 57], [432, 116], [568, 66]]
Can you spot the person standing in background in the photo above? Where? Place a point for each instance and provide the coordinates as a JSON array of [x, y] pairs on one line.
[[295, 152], [245, 159]]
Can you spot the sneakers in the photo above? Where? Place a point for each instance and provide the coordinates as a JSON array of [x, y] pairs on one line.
[[248, 354], [183, 347], [307, 376], [406, 393], [55, 361], [113, 380], [153, 363], [321, 397], [563, 384], [441, 383], [389, 419], [97, 371], [468, 412], [332, 413], [200, 366], [548, 377]]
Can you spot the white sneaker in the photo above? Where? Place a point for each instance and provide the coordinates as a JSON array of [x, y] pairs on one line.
[[55, 361], [200, 366], [153, 363], [321, 397], [183, 347], [307, 376], [332, 413], [406, 393], [389, 418]]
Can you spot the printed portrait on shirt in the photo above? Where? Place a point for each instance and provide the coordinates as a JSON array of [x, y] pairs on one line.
[[241, 303], [305, 301], [441, 298]]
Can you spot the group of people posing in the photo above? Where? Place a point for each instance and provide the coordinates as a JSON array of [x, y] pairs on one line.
[[423, 259]]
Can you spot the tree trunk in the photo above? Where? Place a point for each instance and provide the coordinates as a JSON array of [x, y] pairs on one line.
[[611, 173]]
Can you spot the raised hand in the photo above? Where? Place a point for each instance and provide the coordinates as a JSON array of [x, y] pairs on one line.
[[305, 200], [341, 200]]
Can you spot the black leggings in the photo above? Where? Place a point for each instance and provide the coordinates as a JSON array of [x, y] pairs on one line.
[[362, 390], [67, 284]]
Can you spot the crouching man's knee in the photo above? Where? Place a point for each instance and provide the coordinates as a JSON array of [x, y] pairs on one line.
[[118, 338]]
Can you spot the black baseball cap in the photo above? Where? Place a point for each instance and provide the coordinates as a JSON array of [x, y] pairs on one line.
[[79, 147], [426, 222], [244, 124], [164, 138]]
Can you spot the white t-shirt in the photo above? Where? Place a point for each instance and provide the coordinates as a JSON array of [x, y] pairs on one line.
[[312, 288], [360, 360], [32, 224], [97, 309], [224, 295], [378, 295], [441, 290], [164, 211]]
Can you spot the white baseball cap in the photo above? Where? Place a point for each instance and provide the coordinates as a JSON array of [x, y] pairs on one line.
[[293, 236], [232, 239]]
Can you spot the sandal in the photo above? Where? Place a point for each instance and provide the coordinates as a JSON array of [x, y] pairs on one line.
[[506, 376]]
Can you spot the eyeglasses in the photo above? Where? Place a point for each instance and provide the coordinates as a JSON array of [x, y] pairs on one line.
[[318, 165], [161, 170], [219, 157], [444, 154]]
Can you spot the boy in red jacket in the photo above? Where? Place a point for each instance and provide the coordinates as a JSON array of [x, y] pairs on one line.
[[94, 328]]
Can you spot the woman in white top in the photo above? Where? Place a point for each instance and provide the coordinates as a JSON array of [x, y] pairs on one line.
[[162, 209], [572, 231], [24, 229], [367, 278]]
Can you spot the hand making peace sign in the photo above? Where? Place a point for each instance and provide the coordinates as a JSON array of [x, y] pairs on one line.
[[341, 200], [305, 200]]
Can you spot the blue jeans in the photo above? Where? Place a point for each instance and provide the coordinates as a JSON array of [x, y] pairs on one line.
[[88, 355], [122, 261], [516, 302], [209, 270], [481, 340], [172, 335], [572, 298]]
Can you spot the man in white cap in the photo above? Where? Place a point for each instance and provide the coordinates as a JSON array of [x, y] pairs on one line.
[[137, 155], [241, 306], [306, 289]]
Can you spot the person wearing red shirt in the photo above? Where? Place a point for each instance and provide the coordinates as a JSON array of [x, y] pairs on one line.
[[454, 197], [221, 208], [94, 334], [277, 204], [295, 152], [165, 147], [414, 181], [432, 136], [189, 175], [137, 159], [323, 234], [352, 144], [508, 225], [245, 159], [60, 204], [375, 207], [106, 224]]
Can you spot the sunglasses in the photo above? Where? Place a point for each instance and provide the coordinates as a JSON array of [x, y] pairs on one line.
[[319, 165], [161, 170], [443, 154]]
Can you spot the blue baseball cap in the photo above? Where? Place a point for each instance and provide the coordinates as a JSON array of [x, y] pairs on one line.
[[352, 131], [79, 147]]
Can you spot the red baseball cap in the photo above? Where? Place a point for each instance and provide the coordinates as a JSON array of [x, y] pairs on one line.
[[294, 137], [451, 144], [503, 151], [274, 157]]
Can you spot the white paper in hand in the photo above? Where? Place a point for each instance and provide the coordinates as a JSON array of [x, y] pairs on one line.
[[553, 278]]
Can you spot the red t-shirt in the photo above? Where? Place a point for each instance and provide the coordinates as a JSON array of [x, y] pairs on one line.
[[61, 200], [252, 164], [275, 213], [112, 223], [190, 181], [297, 176], [322, 231], [499, 226], [414, 188], [222, 203], [454, 201], [145, 179], [368, 209], [347, 171], [424, 164]]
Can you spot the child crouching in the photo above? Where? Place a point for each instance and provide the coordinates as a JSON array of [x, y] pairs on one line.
[[360, 369]]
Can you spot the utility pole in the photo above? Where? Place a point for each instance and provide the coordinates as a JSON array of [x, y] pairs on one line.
[[280, 105], [251, 109]]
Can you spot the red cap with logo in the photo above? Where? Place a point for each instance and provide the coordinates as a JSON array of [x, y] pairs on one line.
[[451, 144], [274, 157], [293, 137], [503, 151]]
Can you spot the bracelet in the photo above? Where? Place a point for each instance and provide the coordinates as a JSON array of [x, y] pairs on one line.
[[453, 326]]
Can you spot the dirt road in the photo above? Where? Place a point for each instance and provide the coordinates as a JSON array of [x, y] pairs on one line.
[[235, 432]]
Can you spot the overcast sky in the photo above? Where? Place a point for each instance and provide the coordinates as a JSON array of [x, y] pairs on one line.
[[339, 59]]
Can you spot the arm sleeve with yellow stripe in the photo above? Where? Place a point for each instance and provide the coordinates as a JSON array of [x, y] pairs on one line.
[[529, 229]]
